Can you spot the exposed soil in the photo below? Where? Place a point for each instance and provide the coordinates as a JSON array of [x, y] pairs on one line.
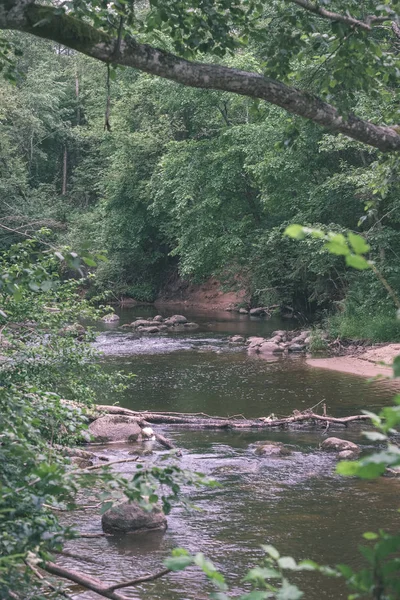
[[366, 364], [208, 295]]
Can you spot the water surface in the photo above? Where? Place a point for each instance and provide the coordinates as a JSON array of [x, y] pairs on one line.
[[296, 503]]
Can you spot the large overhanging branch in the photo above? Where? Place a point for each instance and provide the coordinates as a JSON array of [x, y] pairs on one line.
[[51, 23]]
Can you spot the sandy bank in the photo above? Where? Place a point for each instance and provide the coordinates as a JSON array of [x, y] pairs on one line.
[[364, 365]]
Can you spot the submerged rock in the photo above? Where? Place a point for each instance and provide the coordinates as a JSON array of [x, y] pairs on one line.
[[115, 428], [334, 444], [236, 339], [129, 517], [111, 318], [271, 449], [175, 320]]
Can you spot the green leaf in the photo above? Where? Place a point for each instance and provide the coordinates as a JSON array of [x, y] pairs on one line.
[[295, 231], [357, 262], [89, 261], [288, 592], [375, 436], [271, 551], [358, 243], [287, 562], [178, 563], [336, 248], [369, 535]]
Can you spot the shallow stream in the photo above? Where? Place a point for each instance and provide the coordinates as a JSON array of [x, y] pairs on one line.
[[296, 503]]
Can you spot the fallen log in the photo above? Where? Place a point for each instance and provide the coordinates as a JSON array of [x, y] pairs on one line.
[[205, 422]]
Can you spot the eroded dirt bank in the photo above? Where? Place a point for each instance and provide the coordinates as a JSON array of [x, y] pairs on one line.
[[366, 364], [208, 295]]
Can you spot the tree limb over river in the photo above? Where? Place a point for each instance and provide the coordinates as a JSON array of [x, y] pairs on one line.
[[54, 23]]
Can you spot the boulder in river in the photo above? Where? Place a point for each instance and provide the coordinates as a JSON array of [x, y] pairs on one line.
[[243, 311], [334, 444], [142, 323], [115, 428], [158, 319], [129, 517], [269, 348], [271, 449], [111, 318], [237, 339], [176, 320]]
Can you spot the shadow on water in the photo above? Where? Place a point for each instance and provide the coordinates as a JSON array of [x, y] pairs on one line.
[[296, 503]]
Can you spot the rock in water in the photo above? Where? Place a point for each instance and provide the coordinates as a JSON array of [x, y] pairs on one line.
[[129, 517], [176, 320], [115, 428], [110, 318], [271, 449], [334, 444]]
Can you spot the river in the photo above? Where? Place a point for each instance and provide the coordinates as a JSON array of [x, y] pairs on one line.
[[296, 503]]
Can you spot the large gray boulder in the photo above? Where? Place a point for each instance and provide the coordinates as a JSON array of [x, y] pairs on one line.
[[334, 444], [129, 517], [115, 428]]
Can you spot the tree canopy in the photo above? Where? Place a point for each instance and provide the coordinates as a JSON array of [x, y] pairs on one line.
[[346, 47]]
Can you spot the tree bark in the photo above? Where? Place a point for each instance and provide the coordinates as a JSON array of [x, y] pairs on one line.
[[50, 23]]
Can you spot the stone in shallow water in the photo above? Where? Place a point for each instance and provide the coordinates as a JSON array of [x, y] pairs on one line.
[[334, 444], [115, 428], [271, 449], [128, 517], [110, 318]]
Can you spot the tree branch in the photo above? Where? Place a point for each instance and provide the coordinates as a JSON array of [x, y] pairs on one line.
[[332, 16], [95, 585], [141, 579], [49, 23]]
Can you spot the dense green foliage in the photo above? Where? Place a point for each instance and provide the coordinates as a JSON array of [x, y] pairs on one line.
[[194, 183]]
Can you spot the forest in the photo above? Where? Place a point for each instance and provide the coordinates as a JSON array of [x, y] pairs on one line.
[[148, 148]]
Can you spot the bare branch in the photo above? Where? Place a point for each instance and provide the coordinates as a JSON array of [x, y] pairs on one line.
[[95, 585], [86, 581], [49, 23], [141, 579], [332, 16]]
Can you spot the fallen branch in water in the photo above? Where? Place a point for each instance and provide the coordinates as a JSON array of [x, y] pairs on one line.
[[95, 585], [230, 422]]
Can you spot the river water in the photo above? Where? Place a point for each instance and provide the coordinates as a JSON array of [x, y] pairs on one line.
[[296, 503]]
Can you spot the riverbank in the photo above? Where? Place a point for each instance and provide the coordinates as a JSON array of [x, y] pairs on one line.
[[367, 364]]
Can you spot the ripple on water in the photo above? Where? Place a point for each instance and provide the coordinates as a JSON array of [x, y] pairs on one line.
[[120, 344]]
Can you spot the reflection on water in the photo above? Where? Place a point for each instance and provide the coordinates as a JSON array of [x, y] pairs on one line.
[[296, 503]]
